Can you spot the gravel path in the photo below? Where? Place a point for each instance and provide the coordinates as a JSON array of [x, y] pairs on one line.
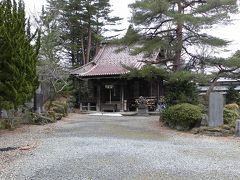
[[100, 147]]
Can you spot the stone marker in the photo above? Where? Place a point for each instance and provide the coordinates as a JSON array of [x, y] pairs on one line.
[[215, 110], [38, 103], [237, 131], [142, 108]]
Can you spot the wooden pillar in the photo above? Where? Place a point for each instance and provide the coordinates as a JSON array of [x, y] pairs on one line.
[[81, 106], [122, 98], [89, 107], [98, 96], [151, 89], [79, 95], [158, 89], [161, 92]]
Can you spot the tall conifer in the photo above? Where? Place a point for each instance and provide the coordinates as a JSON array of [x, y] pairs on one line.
[[18, 55]]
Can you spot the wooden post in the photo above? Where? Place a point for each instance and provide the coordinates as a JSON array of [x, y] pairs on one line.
[[151, 89], [160, 86], [89, 107], [98, 97], [122, 98], [81, 106], [79, 95], [158, 89], [110, 98]]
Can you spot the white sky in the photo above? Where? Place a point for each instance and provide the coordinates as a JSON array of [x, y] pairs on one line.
[[120, 8]]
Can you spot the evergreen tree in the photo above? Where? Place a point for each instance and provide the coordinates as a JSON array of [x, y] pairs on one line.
[[82, 25], [18, 55], [176, 25]]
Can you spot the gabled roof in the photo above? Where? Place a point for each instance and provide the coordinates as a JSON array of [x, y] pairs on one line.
[[110, 61]]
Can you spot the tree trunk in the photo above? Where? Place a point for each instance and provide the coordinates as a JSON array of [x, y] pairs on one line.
[[211, 87], [89, 44], [97, 47], [72, 59], [179, 44], [83, 50]]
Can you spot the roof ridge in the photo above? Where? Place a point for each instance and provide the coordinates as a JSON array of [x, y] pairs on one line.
[[96, 58], [99, 54], [90, 69]]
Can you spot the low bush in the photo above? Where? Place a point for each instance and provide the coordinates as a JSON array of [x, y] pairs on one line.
[[7, 124], [232, 106], [10, 123], [182, 116], [230, 116], [60, 107], [52, 114], [41, 119]]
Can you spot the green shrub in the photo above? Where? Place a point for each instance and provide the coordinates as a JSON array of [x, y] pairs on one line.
[[182, 116], [203, 108], [230, 116]]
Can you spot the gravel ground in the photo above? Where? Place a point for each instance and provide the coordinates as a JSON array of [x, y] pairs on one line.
[[100, 147]]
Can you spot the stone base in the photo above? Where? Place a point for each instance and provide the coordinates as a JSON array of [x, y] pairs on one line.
[[224, 131], [142, 112]]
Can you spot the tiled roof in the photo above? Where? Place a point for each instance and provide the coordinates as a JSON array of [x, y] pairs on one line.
[[110, 61]]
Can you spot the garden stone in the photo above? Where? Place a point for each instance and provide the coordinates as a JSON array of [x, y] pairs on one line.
[[204, 121], [215, 110], [4, 114]]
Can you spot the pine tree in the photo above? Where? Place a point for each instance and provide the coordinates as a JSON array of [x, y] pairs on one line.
[[176, 25], [18, 55], [82, 26]]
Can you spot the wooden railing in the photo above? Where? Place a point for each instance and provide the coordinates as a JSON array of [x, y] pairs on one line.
[[88, 106]]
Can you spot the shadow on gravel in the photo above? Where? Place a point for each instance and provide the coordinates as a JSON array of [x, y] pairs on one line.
[[8, 149]]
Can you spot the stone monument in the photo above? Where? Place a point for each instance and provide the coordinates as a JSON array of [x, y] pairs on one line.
[[38, 100], [237, 131], [142, 108], [215, 109]]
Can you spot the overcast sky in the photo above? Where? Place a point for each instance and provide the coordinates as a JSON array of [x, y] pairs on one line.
[[120, 8]]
